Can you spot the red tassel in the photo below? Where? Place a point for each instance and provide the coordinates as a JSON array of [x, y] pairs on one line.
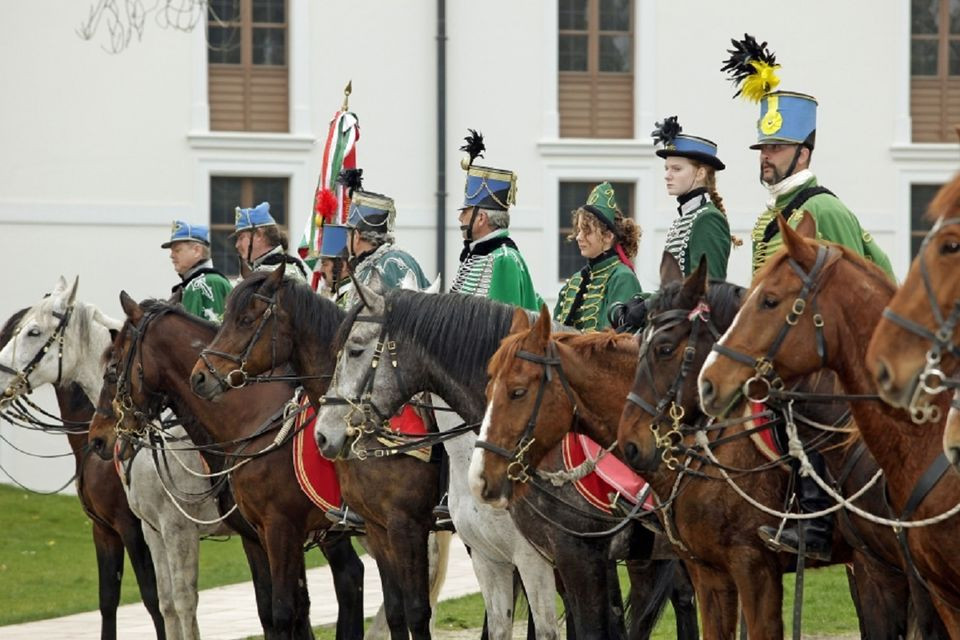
[[623, 257], [325, 205]]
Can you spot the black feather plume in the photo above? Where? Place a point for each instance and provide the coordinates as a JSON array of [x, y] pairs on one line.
[[738, 67], [474, 147], [666, 131], [352, 179]]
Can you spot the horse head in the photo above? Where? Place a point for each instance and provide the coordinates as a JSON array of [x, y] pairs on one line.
[[525, 382], [685, 319], [914, 348], [55, 342]]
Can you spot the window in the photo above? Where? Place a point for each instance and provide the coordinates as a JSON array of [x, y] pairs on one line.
[[572, 196], [226, 194], [934, 69], [248, 81], [920, 197], [595, 60]]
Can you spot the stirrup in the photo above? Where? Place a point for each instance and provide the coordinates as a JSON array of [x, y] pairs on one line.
[[345, 520], [441, 517]]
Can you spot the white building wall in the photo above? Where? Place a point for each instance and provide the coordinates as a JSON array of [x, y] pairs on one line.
[[101, 151]]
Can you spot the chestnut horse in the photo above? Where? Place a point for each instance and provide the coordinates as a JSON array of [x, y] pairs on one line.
[[150, 364], [593, 367], [115, 527], [269, 321], [441, 344], [916, 347], [772, 341]]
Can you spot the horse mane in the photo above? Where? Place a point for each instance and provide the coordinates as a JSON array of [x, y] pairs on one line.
[[6, 333], [597, 342], [155, 305], [946, 201], [460, 332], [724, 299], [310, 314]]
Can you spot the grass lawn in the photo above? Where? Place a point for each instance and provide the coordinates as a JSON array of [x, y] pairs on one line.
[[48, 565]]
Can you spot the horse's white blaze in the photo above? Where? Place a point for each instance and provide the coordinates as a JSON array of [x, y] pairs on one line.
[[713, 356], [475, 473]]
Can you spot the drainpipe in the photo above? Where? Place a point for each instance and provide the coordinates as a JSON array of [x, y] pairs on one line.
[[441, 137]]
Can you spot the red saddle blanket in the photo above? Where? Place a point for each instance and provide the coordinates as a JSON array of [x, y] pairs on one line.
[[609, 476], [764, 440], [315, 474]]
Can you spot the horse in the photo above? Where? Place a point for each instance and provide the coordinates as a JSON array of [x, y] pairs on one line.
[[115, 527], [405, 342], [396, 533], [148, 366], [914, 350], [798, 319]]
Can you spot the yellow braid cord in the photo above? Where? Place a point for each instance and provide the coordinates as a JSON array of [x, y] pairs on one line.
[[758, 84]]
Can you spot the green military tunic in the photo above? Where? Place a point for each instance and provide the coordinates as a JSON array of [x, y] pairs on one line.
[[586, 297], [386, 264], [700, 229], [835, 223], [203, 291], [492, 267]]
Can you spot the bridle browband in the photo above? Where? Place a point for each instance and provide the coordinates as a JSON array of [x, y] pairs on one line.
[[669, 404], [21, 377], [932, 379], [518, 468], [764, 372], [226, 382]]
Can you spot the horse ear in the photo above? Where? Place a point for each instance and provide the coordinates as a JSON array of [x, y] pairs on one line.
[[696, 283], [669, 270], [521, 321], [544, 324], [130, 307], [434, 286], [795, 243], [73, 291], [106, 321], [273, 281], [59, 286], [808, 225]]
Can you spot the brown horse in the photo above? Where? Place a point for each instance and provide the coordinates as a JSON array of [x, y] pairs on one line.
[[115, 528], [915, 348], [773, 342], [594, 368], [149, 367], [271, 321]]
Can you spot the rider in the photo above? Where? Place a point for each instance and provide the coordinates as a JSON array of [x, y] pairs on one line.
[[608, 241], [202, 289], [333, 262], [490, 264], [262, 244], [700, 228], [786, 133]]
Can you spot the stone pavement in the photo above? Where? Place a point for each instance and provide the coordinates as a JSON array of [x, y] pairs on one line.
[[230, 612]]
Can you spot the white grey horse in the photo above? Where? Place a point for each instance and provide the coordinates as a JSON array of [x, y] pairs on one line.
[[497, 548]]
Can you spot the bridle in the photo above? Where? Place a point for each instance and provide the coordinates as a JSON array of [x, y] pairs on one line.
[[123, 399], [21, 380], [669, 404], [227, 382], [765, 376], [518, 469], [932, 380]]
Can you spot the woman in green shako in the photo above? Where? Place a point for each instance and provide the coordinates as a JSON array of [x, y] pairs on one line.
[[701, 228], [609, 242]]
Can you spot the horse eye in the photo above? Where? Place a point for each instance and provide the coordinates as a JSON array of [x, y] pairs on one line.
[[665, 350], [949, 247], [34, 333], [770, 303], [244, 321], [354, 353], [518, 393]]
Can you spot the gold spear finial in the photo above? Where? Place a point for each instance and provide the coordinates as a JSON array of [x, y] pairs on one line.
[[346, 95]]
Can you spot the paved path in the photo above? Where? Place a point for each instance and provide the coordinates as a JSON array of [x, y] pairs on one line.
[[228, 613]]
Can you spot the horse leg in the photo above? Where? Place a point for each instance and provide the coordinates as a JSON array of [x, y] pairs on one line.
[[392, 588], [409, 542], [109, 550], [651, 583], [541, 588], [285, 552], [496, 586], [928, 621], [348, 585], [760, 585], [168, 608], [262, 589], [143, 567], [683, 598], [717, 597], [182, 541], [584, 572], [877, 588]]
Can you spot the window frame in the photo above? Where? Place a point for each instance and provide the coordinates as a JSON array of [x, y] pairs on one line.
[[248, 198]]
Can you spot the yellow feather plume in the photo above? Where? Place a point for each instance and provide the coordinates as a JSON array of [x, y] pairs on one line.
[[758, 84]]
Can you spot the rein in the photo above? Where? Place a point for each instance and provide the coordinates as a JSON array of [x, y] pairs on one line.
[[21, 377], [518, 468]]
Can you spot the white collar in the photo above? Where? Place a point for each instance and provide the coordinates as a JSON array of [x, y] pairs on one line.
[[490, 236], [787, 185], [694, 203]]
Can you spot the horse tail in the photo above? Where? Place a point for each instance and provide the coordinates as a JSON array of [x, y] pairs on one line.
[[442, 543]]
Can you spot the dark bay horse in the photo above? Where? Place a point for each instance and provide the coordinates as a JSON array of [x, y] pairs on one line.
[[115, 528], [270, 321], [844, 296], [914, 351], [441, 344], [149, 363], [685, 321]]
